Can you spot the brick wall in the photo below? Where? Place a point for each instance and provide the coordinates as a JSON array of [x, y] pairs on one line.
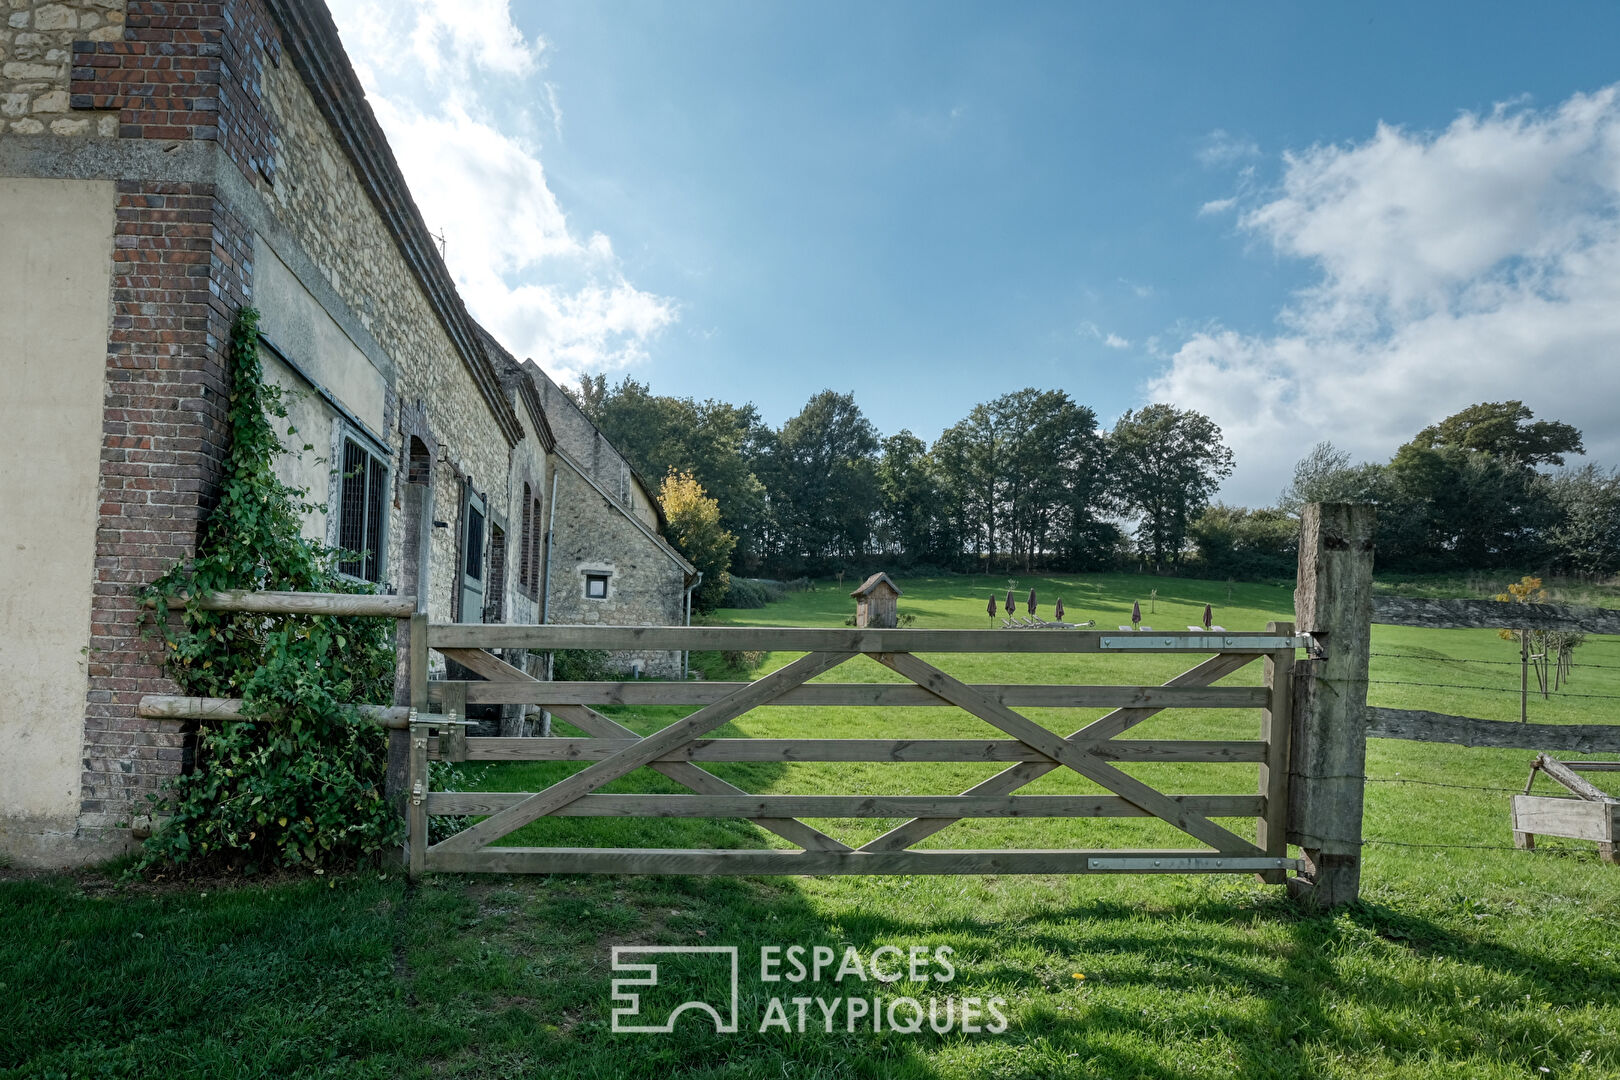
[[184, 71], [179, 273], [36, 53]]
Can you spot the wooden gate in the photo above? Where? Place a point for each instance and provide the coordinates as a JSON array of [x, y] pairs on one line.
[[1094, 751]]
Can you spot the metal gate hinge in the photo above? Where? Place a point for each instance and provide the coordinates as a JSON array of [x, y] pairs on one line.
[[416, 793]]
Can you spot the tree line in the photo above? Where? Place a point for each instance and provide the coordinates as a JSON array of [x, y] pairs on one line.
[[1026, 481], [1030, 481]]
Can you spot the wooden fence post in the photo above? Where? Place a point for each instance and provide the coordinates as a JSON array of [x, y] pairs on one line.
[[396, 780], [1332, 603], [1276, 731], [417, 768]]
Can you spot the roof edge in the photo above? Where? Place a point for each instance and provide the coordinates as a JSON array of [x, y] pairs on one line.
[[311, 39]]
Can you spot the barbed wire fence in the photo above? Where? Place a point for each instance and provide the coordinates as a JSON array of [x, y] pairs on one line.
[[1491, 789]]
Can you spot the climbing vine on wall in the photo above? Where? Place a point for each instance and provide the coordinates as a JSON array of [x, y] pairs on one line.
[[298, 780]]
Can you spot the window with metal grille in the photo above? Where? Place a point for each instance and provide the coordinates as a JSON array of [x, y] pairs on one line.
[[525, 541], [360, 511], [536, 539], [495, 598]]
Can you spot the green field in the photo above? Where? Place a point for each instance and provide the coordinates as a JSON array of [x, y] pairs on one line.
[[1465, 958]]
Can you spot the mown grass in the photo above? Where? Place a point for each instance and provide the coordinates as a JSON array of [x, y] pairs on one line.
[[1462, 961]]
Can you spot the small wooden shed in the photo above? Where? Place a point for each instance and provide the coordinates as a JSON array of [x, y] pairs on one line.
[[876, 602]]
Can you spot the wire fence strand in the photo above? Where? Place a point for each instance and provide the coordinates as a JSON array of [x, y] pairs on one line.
[[1536, 691], [1471, 660]]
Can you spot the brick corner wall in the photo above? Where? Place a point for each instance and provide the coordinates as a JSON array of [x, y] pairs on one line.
[[182, 268]]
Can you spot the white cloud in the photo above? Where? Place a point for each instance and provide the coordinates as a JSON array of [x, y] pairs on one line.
[[1221, 149], [1217, 206], [1108, 338], [524, 272], [1478, 263]]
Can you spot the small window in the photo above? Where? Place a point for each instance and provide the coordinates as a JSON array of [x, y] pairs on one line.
[[360, 511], [596, 586]]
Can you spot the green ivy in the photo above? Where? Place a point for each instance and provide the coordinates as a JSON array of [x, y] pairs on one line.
[[298, 780]]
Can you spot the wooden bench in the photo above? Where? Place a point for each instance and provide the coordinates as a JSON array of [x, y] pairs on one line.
[[1591, 815]]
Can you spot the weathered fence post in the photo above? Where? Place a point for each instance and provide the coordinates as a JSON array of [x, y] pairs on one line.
[[415, 574], [417, 767], [1332, 603]]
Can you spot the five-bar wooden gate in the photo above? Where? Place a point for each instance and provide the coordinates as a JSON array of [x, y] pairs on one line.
[[1094, 751]]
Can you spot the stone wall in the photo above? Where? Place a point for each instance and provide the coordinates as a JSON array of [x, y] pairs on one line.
[[323, 203], [221, 159], [525, 563], [646, 585], [590, 449], [36, 59]]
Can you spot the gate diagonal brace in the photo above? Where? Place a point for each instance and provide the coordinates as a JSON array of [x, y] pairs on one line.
[[684, 773], [1059, 749], [644, 752], [1105, 727]]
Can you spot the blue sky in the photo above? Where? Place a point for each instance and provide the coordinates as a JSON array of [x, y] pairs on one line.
[[1309, 222]]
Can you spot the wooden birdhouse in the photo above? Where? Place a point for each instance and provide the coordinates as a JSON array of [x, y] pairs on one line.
[[875, 602]]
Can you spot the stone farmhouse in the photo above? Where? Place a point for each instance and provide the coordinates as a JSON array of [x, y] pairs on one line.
[[161, 166]]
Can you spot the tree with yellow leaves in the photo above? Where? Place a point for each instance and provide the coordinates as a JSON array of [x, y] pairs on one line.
[[1548, 652], [695, 529]]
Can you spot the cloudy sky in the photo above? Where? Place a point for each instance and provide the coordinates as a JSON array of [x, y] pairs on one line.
[[1311, 225]]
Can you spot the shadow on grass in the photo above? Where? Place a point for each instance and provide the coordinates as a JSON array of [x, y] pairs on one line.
[[501, 976], [1250, 987]]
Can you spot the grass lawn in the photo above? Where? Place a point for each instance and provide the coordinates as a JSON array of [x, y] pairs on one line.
[[1465, 959]]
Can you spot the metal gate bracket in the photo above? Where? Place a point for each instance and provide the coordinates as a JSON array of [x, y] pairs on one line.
[[1147, 641], [1192, 863]]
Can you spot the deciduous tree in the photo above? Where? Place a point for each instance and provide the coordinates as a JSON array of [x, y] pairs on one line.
[[1167, 462]]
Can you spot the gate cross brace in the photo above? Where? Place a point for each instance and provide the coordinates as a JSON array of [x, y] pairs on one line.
[[644, 752], [1104, 727], [684, 773]]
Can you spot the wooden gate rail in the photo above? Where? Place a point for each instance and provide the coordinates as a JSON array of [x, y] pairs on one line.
[[562, 748], [892, 695], [828, 639], [611, 751]]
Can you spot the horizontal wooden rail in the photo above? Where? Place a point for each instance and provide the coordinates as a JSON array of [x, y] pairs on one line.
[[1492, 615], [519, 860], [964, 750], [842, 806], [1420, 726], [834, 640], [301, 603], [175, 707], [864, 694]]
